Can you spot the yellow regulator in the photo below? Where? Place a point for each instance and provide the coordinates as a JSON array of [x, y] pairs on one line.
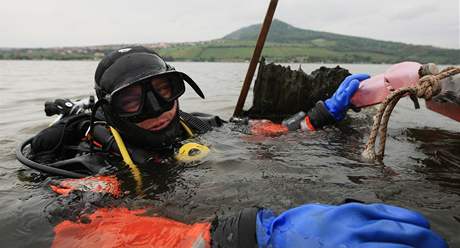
[[192, 152]]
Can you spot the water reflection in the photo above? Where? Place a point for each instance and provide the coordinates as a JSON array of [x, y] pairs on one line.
[[442, 162], [277, 173]]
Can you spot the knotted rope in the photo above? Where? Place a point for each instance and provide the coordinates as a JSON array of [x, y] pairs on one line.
[[427, 87]]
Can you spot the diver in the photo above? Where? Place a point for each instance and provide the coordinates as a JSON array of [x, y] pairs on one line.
[[137, 118]]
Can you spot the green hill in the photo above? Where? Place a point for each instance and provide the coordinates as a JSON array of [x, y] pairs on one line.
[[285, 43]]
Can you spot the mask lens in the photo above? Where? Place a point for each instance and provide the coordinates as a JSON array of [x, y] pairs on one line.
[[169, 88], [162, 87], [128, 100]]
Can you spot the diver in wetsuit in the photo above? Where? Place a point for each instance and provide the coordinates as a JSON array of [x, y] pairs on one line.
[[138, 100]]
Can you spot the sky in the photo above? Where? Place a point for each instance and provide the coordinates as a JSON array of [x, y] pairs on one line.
[[50, 23]]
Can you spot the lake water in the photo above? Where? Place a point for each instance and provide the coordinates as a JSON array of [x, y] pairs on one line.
[[421, 169]]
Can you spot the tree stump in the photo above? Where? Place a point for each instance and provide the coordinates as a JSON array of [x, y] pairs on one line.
[[280, 92]]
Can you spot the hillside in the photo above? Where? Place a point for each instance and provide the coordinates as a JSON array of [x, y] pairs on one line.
[[288, 43], [285, 43]]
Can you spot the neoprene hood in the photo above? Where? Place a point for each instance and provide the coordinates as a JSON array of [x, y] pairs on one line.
[[127, 66]]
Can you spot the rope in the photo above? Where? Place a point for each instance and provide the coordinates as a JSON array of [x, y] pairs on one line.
[[427, 87]]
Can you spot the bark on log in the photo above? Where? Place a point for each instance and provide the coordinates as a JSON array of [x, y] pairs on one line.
[[280, 92]]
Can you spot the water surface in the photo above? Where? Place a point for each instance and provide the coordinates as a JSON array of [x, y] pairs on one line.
[[421, 169]]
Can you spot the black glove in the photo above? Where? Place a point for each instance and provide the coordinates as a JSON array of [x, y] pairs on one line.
[[58, 107]]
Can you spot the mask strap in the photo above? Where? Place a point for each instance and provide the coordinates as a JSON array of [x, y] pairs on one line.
[[192, 83]]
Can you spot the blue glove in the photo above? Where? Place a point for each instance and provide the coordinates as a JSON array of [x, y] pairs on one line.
[[338, 104], [348, 225]]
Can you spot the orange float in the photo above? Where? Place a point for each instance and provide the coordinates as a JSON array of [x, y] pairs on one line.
[[121, 227], [267, 128], [98, 184]]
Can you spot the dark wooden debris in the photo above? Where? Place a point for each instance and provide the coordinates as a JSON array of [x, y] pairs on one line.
[[280, 92]]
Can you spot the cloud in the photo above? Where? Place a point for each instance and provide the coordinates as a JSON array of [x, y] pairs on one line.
[[44, 23], [412, 12]]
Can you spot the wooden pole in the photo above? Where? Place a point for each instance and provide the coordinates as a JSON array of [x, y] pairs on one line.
[[255, 57]]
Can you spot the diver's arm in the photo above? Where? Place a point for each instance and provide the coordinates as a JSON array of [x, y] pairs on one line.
[[319, 225], [238, 230], [347, 225], [48, 138], [69, 128], [318, 117], [200, 122], [330, 111], [48, 143], [310, 225]]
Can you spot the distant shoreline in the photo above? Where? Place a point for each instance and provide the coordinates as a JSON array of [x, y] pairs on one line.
[[216, 61], [285, 44], [276, 62], [241, 51]]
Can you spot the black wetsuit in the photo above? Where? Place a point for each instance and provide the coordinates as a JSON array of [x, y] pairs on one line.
[[60, 141]]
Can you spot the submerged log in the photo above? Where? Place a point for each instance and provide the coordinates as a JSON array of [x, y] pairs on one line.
[[280, 92]]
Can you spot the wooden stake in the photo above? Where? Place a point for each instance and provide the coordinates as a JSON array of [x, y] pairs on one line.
[[255, 57]]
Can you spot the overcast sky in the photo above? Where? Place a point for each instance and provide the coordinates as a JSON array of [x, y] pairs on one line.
[[45, 23]]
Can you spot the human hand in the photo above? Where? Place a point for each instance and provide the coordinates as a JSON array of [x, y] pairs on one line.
[[339, 103]]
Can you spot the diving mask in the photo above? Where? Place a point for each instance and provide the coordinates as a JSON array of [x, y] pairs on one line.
[[147, 98]]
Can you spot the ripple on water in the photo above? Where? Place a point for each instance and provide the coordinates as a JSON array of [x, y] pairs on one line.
[[278, 173]]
